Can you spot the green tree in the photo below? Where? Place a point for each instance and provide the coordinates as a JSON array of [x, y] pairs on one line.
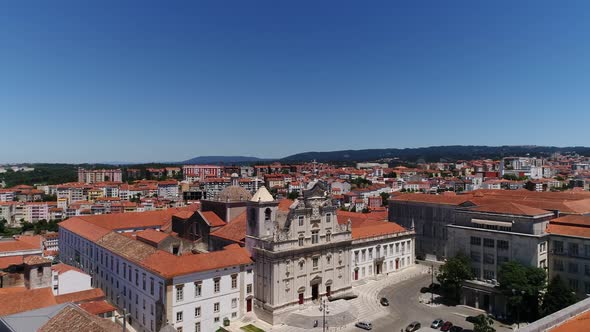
[[557, 297], [452, 274], [293, 195], [26, 226], [384, 198], [522, 286], [3, 223], [483, 323]]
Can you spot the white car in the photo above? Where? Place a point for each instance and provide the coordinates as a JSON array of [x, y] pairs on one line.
[[364, 325]]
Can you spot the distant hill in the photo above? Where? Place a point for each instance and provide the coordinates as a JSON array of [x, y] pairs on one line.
[[435, 153], [224, 160]]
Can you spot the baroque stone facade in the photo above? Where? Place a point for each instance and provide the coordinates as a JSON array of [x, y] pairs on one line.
[[302, 253]]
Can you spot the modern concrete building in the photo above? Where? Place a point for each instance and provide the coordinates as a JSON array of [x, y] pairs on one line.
[[570, 252]]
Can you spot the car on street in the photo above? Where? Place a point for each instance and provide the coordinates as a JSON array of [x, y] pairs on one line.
[[414, 326], [446, 326], [456, 328], [384, 302], [364, 325], [437, 323]]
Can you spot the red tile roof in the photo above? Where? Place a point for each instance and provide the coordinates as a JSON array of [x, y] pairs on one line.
[[73, 318], [23, 243], [63, 268], [367, 225], [19, 299], [152, 236], [212, 219], [5, 262], [82, 296], [35, 260], [169, 265], [234, 231], [97, 307], [571, 225], [86, 230], [510, 208], [577, 323], [284, 204]]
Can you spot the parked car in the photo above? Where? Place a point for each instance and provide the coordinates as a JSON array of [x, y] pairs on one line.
[[456, 328], [364, 325], [446, 326], [384, 302], [437, 323], [414, 326]]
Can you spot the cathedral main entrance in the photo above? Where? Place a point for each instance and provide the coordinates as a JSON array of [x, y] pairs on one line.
[[315, 293]]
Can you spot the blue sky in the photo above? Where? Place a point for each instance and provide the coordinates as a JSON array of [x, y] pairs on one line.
[[162, 81]]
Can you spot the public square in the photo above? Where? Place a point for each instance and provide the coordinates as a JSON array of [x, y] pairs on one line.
[[403, 292]]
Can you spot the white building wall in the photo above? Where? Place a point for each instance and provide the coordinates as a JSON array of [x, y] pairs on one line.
[[70, 281], [230, 301], [397, 253], [123, 284]]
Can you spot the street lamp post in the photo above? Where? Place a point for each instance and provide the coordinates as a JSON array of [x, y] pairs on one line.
[[125, 314], [432, 283], [514, 292], [324, 309]]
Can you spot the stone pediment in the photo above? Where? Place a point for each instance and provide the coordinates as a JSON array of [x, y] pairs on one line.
[[317, 191]]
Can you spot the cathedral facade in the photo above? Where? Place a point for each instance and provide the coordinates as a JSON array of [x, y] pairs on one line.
[[301, 253]]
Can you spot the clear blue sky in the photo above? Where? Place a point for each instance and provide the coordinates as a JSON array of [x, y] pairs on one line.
[[170, 80]]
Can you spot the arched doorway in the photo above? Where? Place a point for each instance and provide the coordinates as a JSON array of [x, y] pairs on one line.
[[315, 288]]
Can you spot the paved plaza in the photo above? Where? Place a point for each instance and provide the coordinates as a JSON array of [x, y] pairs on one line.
[[401, 289]]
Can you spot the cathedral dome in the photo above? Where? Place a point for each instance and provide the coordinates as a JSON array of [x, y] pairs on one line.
[[234, 193]]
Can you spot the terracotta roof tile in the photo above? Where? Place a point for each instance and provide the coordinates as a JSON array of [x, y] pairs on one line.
[[212, 219], [35, 260], [152, 236], [169, 265], [577, 323], [19, 299], [510, 208], [234, 231], [63, 268], [10, 260], [82, 296], [97, 307], [73, 318], [23, 243], [81, 227]]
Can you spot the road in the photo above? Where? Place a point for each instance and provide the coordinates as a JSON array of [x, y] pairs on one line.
[[405, 308]]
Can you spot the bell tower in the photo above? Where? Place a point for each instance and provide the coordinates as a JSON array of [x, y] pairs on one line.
[[262, 211]]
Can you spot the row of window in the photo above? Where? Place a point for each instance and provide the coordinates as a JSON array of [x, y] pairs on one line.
[[363, 253], [199, 287], [301, 219], [572, 248], [489, 243], [572, 267], [315, 237], [216, 309], [108, 261]]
